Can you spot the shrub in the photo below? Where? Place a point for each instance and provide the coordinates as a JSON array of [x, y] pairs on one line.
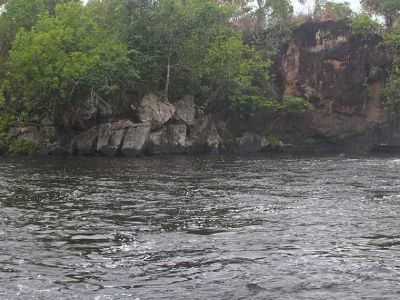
[[364, 26], [22, 147], [295, 104]]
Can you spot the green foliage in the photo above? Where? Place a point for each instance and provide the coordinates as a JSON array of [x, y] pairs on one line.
[[6, 122], [55, 54], [364, 26], [288, 104], [22, 147], [339, 11], [228, 59], [392, 39], [392, 95], [62, 60], [252, 103], [22, 14], [273, 140], [295, 104], [392, 89], [389, 9]]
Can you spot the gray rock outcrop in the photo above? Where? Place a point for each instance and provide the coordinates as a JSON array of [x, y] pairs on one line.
[[205, 137], [186, 110], [85, 143], [111, 137], [251, 143], [171, 139], [155, 111], [136, 139]]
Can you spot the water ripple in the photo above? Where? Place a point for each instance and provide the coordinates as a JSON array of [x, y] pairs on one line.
[[200, 228]]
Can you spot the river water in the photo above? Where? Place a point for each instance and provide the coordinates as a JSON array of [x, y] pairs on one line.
[[200, 228]]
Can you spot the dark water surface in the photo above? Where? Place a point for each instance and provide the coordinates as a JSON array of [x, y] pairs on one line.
[[200, 228]]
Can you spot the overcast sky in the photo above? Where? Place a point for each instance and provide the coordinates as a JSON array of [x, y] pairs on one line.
[[355, 4]]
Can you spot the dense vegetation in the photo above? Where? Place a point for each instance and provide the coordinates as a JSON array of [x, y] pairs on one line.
[[57, 54]]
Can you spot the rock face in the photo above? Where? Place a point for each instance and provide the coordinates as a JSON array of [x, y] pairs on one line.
[[39, 136], [186, 110], [104, 137], [155, 111], [206, 137], [136, 139], [27, 133], [171, 139], [93, 111], [341, 74], [111, 136], [252, 143], [111, 139], [85, 143]]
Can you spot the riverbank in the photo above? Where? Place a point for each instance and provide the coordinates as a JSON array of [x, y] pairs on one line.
[[341, 76]]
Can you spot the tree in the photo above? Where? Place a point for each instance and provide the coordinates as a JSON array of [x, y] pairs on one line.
[[338, 10], [272, 12], [389, 9], [364, 26], [62, 61], [170, 35], [22, 14], [213, 55], [231, 70]]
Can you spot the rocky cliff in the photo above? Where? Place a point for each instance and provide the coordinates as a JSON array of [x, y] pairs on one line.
[[342, 75]]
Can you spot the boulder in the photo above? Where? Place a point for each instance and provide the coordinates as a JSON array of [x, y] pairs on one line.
[[103, 140], [85, 143], [135, 140], [158, 141], [213, 140], [205, 137], [55, 149], [111, 137], [171, 139], [177, 137], [251, 143], [186, 110], [155, 111], [115, 143]]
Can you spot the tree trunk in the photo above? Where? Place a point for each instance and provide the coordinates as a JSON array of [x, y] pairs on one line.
[[168, 79]]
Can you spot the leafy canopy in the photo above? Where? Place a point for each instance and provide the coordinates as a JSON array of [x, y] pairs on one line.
[[62, 59]]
